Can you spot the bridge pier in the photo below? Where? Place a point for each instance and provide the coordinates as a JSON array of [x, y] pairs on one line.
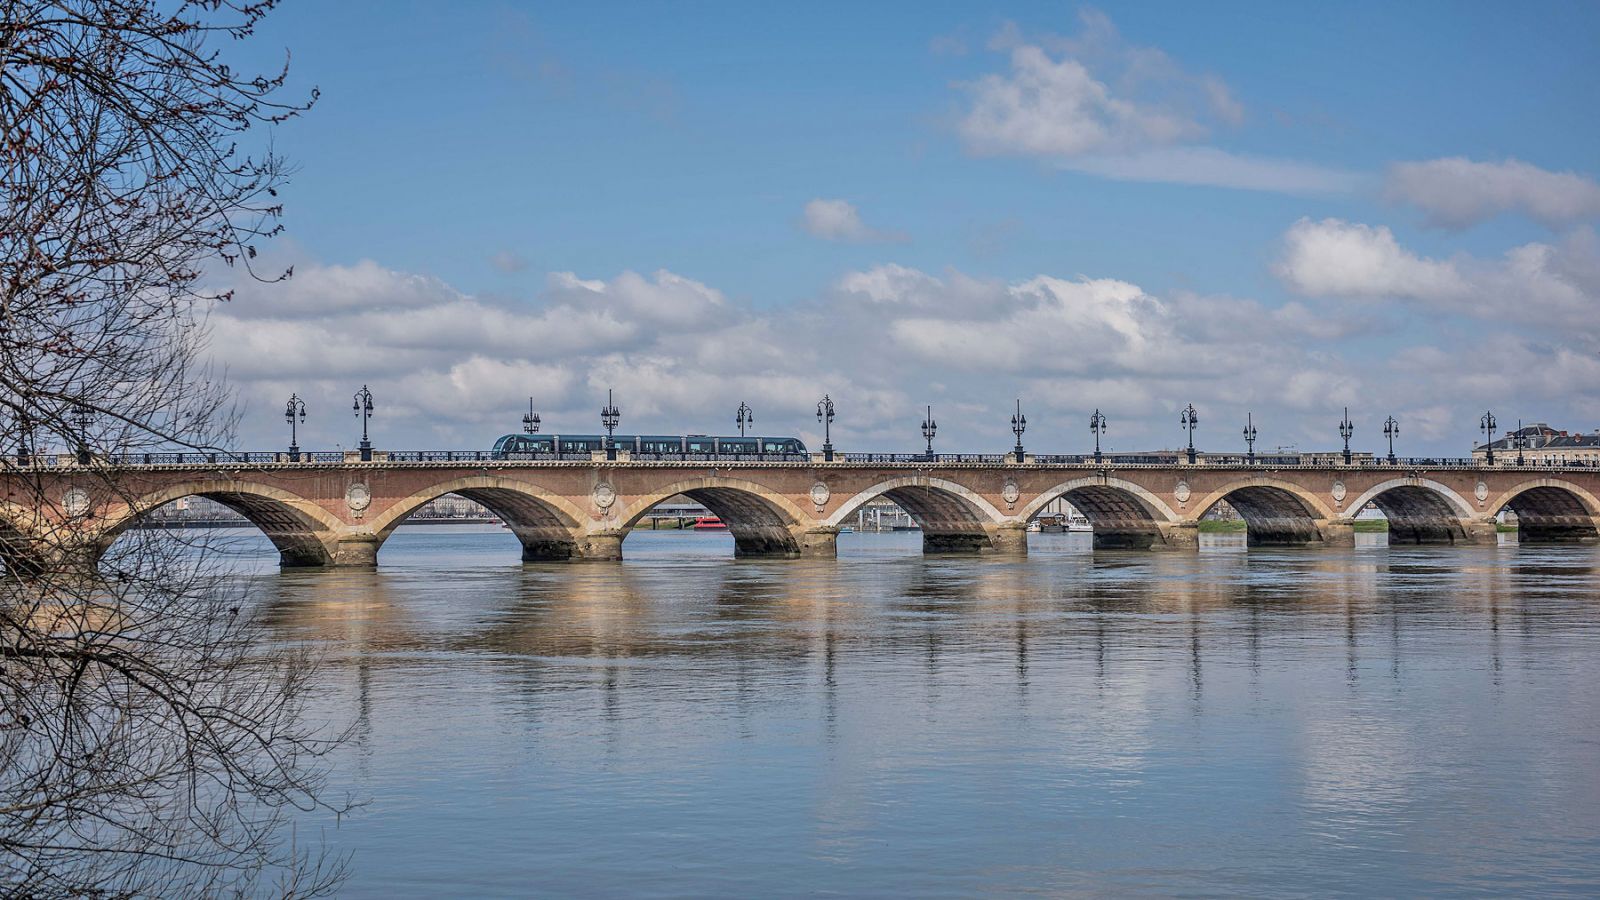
[[599, 545], [1336, 533], [546, 550], [1168, 536], [817, 543], [353, 552], [1008, 539]]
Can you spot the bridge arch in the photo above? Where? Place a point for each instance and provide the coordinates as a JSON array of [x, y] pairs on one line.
[[1123, 514], [1553, 511], [303, 532], [546, 523], [1276, 513], [1419, 510], [953, 517], [762, 521]]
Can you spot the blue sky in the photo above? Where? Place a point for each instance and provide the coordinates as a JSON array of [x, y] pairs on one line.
[[1141, 206]]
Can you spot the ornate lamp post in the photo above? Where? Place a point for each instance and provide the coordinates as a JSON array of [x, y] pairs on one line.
[[1486, 424], [609, 417], [1345, 430], [1019, 424], [745, 416], [83, 417], [293, 411], [825, 416], [363, 408], [1187, 420], [1097, 424], [531, 420], [929, 429], [24, 435], [1250, 437], [1391, 430], [1519, 440]]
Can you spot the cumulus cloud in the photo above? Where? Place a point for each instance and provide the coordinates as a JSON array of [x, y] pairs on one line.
[[1457, 192], [839, 220], [1094, 103], [1537, 283], [1346, 259], [453, 370]]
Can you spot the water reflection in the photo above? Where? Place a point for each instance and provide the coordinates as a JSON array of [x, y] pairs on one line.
[[1316, 721]]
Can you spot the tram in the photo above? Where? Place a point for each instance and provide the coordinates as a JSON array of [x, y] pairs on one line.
[[515, 446]]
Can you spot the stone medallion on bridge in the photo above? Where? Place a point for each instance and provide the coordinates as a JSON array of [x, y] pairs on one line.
[[1181, 492], [820, 495], [1338, 492], [358, 497], [1010, 492], [603, 495], [75, 502], [1481, 492]]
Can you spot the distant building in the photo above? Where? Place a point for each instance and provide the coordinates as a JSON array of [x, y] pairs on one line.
[[1540, 445]]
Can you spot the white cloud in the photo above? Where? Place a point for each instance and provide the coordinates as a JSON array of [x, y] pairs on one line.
[[839, 220], [1550, 285], [452, 370], [1457, 192], [1046, 107], [1094, 103], [1338, 258]]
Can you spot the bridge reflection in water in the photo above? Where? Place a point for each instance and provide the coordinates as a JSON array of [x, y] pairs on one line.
[[833, 722], [327, 514]]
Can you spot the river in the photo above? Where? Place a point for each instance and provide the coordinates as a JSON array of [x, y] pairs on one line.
[[1368, 721]]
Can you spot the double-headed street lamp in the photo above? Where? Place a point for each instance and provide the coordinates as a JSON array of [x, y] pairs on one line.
[[1487, 424], [929, 429], [1345, 430], [1097, 424], [1391, 430], [1019, 424], [609, 417], [531, 420], [1250, 437], [825, 416], [1187, 420], [24, 435], [294, 410], [745, 416], [363, 408], [83, 417], [1519, 440]]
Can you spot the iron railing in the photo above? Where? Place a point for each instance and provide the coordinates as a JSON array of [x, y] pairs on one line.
[[324, 457]]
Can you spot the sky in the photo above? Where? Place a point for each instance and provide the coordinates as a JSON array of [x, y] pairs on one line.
[[1274, 209]]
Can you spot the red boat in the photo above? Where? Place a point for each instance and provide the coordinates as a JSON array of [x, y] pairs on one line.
[[709, 523]]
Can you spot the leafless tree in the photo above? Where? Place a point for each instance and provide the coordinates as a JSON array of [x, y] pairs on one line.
[[152, 740]]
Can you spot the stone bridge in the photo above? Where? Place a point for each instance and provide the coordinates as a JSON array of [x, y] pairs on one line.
[[340, 513]]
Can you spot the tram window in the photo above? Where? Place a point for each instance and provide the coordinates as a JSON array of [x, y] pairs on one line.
[[738, 445], [700, 445]]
